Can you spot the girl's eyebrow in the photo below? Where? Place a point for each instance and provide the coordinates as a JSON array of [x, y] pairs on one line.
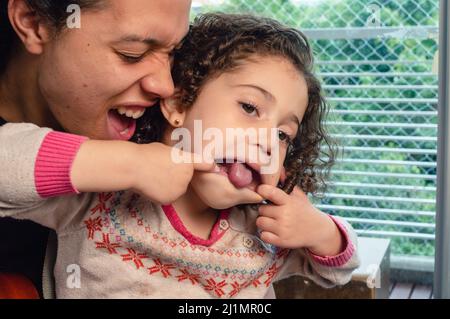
[[294, 118], [266, 93]]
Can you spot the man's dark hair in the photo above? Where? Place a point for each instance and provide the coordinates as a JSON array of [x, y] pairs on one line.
[[54, 12]]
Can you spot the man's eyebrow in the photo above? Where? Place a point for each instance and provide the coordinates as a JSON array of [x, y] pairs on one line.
[[136, 38], [266, 93]]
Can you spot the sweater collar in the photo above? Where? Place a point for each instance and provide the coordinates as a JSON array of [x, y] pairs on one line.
[[217, 232]]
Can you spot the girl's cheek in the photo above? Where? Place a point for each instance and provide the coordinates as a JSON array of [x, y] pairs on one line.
[[282, 176], [271, 180]]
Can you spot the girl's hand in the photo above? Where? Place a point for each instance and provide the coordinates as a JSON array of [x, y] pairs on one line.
[[149, 169], [293, 222]]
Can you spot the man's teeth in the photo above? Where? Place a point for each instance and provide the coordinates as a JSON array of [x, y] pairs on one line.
[[134, 114]]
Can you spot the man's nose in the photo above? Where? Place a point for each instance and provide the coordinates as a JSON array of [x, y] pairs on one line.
[[160, 81]]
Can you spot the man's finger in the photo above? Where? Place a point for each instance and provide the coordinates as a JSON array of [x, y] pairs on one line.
[[206, 167], [204, 164], [273, 194]]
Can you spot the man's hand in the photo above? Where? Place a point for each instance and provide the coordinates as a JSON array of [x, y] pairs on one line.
[[149, 169], [163, 180]]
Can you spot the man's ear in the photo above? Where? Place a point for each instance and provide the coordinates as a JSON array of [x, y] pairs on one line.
[[173, 113], [29, 26]]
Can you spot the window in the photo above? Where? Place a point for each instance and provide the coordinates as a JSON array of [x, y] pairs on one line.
[[378, 63]]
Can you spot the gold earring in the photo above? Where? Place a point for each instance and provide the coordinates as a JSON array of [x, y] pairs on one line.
[[177, 122]]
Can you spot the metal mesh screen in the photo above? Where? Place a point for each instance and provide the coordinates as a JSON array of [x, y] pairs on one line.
[[376, 63]]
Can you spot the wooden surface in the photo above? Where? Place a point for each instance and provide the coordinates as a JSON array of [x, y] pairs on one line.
[[300, 288], [410, 291], [370, 281]]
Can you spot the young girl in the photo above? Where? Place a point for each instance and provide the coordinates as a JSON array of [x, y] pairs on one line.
[[232, 71]]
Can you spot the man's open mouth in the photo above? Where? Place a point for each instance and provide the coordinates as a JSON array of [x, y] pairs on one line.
[[241, 174], [123, 121]]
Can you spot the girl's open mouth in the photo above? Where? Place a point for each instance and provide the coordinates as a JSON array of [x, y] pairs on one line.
[[240, 174]]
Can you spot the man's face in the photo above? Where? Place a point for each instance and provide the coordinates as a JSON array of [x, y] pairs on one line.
[[119, 61]]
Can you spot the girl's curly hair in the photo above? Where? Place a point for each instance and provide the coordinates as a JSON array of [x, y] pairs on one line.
[[219, 43]]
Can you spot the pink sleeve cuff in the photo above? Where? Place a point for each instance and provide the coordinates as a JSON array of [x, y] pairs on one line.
[[54, 164], [343, 257]]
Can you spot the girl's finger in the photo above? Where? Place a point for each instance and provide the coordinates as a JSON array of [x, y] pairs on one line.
[[273, 194], [297, 191], [267, 224], [269, 211], [270, 238], [250, 197]]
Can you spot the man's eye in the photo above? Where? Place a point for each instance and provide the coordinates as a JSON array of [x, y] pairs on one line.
[[131, 58], [249, 108]]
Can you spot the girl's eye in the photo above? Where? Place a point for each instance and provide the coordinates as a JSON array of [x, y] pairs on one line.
[[249, 109], [284, 137]]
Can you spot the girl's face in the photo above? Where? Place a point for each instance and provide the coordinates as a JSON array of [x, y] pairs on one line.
[[264, 93], [119, 58]]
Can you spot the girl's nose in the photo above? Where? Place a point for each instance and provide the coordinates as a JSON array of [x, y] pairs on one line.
[[268, 141], [266, 149]]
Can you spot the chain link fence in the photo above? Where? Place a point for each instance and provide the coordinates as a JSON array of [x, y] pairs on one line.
[[377, 61]]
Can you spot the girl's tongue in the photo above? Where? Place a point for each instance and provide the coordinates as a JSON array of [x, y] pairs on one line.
[[239, 175]]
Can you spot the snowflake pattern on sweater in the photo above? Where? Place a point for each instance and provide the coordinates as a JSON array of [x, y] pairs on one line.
[[174, 257]]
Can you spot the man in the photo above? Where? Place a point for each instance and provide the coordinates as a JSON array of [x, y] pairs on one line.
[[96, 81]]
